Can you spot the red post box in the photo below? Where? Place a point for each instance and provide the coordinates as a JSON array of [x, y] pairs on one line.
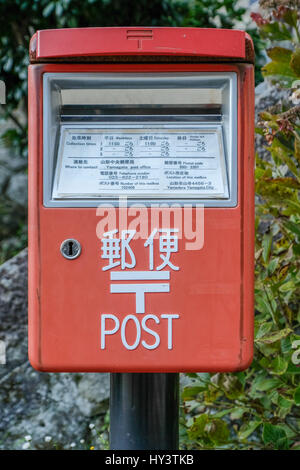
[[141, 200]]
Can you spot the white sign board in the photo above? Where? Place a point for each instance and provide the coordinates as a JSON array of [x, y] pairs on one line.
[[95, 163]]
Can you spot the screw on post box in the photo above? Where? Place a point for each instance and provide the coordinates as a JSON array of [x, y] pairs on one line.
[[70, 248]]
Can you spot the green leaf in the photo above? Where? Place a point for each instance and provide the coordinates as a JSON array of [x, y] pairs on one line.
[[266, 245], [279, 68], [275, 31], [269, 349], [275, 435], [293, 205], [209, 429], [238, 413], [259, 172], [286, 346], [49, 9], [247, 429], [280, 54], [265, 306], [272, 266], [297, 396], [279, 365], [280, 151], [211, 394], [58, 10], [218, 431], [265, 116], [295, 62], [192, 375], [223, 413], [259, 131], [293, 369], [263, 329], [286, 182], [287, 286], [197, 428], [285, 407], [297, 149], [190, 393], [295, 228], [275, 336], [267, 384], [290, 17], [232, 387], [204, 377]]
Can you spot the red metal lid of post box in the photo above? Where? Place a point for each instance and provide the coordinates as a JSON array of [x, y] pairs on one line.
[[97, 44]]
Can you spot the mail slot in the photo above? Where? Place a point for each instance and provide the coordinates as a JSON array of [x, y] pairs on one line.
[[141, 200]]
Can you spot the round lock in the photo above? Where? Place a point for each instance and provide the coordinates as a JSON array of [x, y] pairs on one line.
[[70, 248]]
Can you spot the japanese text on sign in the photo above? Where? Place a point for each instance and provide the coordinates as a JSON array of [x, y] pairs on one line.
[[98, 162]]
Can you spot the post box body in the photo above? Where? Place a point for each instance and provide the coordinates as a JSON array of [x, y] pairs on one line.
[[200, 318]]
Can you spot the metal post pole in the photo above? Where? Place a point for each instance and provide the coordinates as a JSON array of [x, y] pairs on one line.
[[144, 410]]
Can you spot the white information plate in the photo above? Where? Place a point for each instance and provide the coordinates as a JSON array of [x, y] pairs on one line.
[[101, 163]]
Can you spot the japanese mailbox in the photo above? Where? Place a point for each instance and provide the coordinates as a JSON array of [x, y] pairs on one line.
[[141, 200]]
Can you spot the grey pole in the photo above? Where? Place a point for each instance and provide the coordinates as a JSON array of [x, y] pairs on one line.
[[144, 410]]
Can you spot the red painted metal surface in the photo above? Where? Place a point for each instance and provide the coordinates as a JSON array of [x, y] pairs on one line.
[[212, 292], [82, 42]]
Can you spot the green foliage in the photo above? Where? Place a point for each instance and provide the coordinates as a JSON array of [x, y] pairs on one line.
[[260, 406], [208, 14], [222, 14], [209, 430], [281, 25]]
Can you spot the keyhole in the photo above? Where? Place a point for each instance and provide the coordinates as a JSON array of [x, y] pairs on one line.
[[70, 248]]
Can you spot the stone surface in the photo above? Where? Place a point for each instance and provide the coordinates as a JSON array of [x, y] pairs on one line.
[[41, 405], [17, 189], [13, 192]]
